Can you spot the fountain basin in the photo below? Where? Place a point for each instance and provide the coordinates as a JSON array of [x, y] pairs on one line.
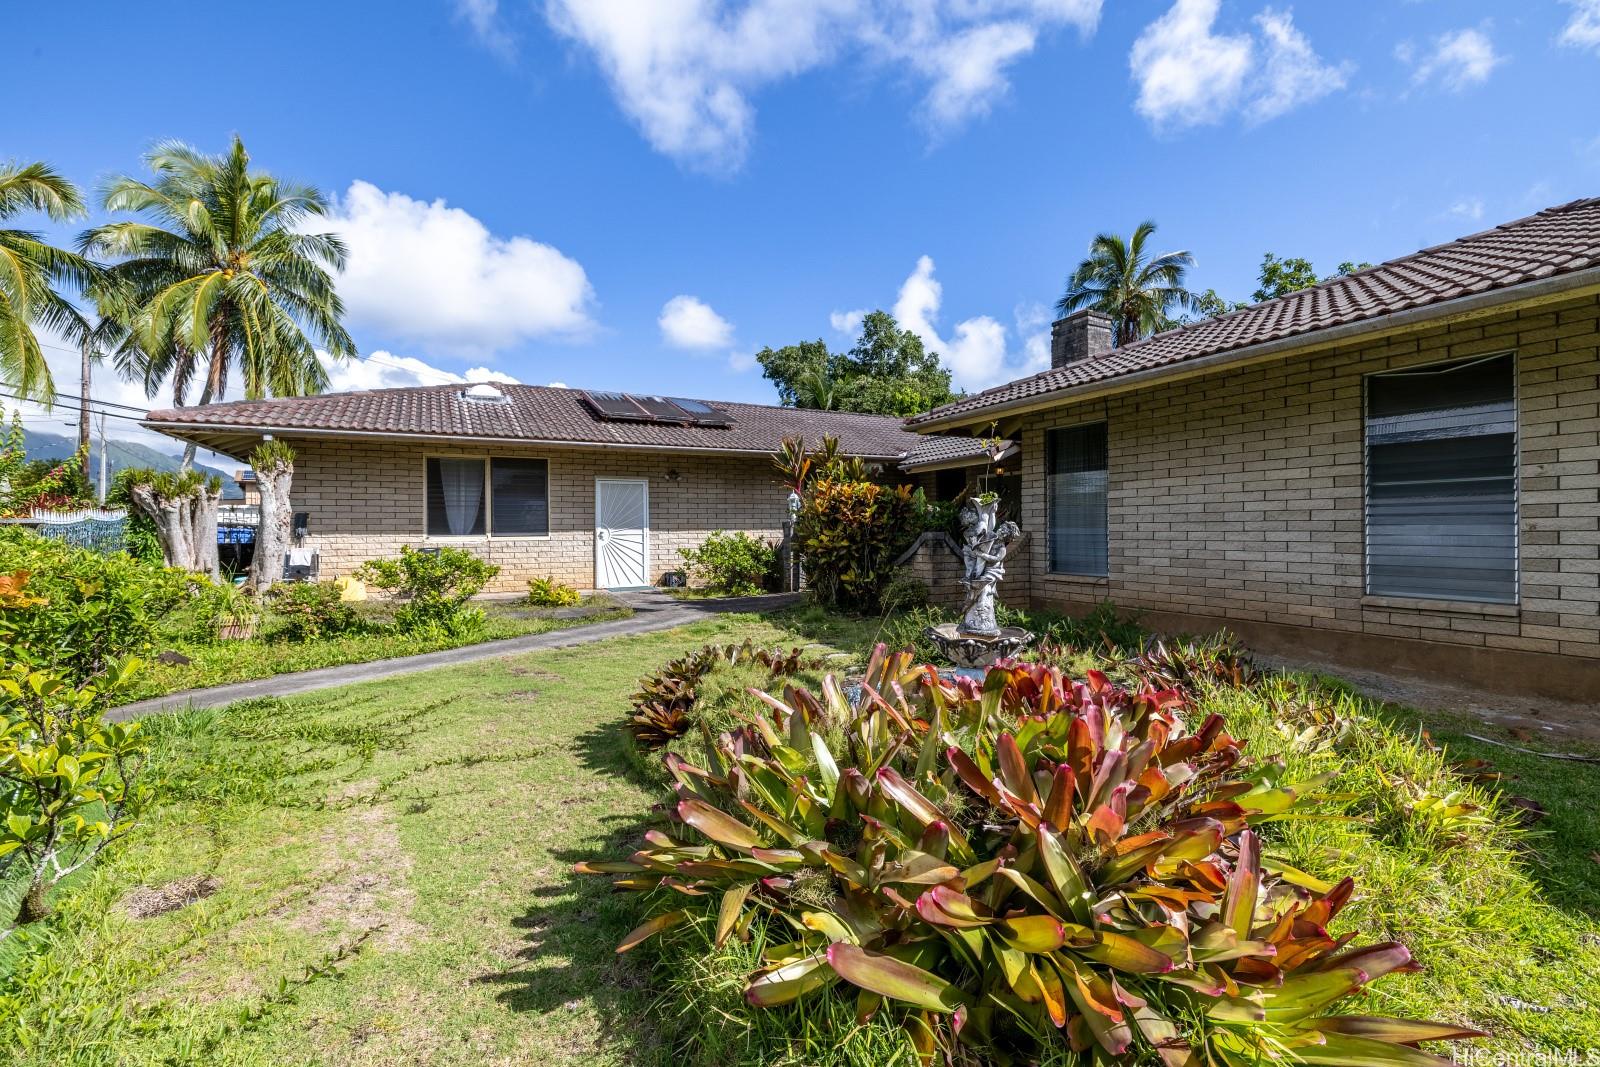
[[973, 650]]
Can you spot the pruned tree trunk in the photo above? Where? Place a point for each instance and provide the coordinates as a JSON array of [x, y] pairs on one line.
[[186, 525], [274, 475]]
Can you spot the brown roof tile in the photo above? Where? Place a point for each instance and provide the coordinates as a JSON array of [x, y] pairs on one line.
[[536, 413], [1558, 240]]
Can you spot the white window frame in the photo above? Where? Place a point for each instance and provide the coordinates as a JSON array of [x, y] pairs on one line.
[[488, 501]]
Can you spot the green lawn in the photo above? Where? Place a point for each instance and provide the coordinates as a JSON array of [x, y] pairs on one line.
[[222, 662], [392, 866]]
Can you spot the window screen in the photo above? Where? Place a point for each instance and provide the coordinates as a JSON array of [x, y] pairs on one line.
[[519, 496], [455, 497], [1442, 482], [1075, 475]]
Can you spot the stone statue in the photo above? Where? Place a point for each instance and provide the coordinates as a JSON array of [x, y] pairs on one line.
[[983, 551], [978, 640]]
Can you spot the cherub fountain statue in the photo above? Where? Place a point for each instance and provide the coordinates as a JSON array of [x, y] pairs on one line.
[[978, 640]]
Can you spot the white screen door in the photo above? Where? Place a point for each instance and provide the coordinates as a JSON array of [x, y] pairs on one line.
[[621, 533]]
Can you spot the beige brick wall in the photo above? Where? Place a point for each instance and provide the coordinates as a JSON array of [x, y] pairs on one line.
[[365, 500], [1238, 495]]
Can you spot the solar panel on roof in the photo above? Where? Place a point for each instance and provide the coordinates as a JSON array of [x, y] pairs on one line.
[[627, 407], [616, 406], [703, 414], [661, 408]]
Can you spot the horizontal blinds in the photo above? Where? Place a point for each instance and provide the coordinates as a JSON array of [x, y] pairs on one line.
[[1442, 483], [519, 497], [1076, 475]]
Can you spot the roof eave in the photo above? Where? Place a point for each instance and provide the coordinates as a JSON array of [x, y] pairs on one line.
[[1474, 304], [211, 435]]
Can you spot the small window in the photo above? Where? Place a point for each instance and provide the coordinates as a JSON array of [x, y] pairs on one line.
[[519, 496], [455, 497], [1076, 480], [1442, 482]]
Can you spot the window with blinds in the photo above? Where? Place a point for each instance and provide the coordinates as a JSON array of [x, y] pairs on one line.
[[1442, 482], [1075, 482]]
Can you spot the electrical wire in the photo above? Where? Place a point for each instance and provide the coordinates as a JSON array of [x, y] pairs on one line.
[[92, 410], [444, 376]]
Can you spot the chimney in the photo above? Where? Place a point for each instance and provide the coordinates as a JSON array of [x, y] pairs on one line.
[[1081, 335]]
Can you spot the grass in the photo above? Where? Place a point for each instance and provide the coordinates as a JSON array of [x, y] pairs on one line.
[[221, 662], [394, 880]]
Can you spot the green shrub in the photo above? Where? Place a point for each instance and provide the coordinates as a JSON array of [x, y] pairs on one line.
[[850, 534], [139, 537], [68, 780], [737, 563], [95, 608], [311, 611], [546, 592], [435, 586], [1039, 868]]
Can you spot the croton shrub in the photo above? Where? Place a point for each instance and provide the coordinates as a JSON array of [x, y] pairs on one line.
[[1042, 866], [850, 534]]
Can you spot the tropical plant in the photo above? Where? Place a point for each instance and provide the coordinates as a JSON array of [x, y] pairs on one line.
[[31, 271], [68, 780], [220, 274], [27, 484], [850, 534], [182, 507], [887, 372], [311, 611], [1141, 292], [1189, 663], [737, 563], [435, 585], [94, 610], [663, 706], [1037, 866], [546, 592]]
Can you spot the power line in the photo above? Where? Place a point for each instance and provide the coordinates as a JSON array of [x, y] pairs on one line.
[[92, 410], [445, 377]]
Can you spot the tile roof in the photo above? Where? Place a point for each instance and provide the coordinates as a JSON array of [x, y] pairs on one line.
[[534, 413], [1558, 240], [936, 449]]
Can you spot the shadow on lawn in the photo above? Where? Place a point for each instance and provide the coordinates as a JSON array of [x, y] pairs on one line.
[[570, 931]]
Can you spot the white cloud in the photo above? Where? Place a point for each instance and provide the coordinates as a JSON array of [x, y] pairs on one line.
[[559, 385], [435, 277], [1190, 75], [482, 17], [1293, 73], [385, 370], [1468, 207], [847, 322], [1583, 30], [976, 352], [741, 361], [1458, 60], [685, 70], [688, 322]]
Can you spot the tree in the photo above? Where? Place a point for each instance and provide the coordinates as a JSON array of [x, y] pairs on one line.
[[30, 272], [1276, 277], [1139, 291], [273, 462], [887, 372], [183, 507], [1210, 304], [220, 276]]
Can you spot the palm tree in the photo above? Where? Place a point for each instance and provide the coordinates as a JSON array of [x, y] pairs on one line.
[[30, 271], [816, 389], [219, 275], [1139, 294]]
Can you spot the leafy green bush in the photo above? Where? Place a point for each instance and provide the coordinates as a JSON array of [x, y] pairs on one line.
[[1037, 868], [435, 586], [850, 534], [311, 611], [546, 592], [139, 538], [737, 563], [68, 780], [95, 608]]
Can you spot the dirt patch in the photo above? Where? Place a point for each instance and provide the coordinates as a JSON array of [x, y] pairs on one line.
[[146, 902], [363, 883], [1540, 720]]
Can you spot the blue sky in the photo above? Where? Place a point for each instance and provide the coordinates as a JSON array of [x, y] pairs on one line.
[[639, 195]]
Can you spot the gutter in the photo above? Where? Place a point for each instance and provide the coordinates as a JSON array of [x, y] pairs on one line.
[[171, 429], [1471, 305]]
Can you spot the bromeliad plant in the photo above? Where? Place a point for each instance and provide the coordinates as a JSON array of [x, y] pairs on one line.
[[663, 705], [1042, 864]]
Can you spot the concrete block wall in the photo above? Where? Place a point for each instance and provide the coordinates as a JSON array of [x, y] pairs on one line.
[[365, 500], [1237, 497]]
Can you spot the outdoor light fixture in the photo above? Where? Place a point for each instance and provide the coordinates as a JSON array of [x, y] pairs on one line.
[[794, 502], [673, 475]]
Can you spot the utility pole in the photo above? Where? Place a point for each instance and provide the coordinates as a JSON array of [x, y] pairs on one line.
[[83, 406], [102, 490]]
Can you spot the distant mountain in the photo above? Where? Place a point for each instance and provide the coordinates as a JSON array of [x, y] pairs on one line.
[[122, 455]]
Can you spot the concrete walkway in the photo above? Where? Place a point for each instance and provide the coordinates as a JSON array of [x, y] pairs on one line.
[[651, 612]]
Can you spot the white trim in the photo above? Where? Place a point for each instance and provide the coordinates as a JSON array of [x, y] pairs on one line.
[[642, 483], [1465, 306]]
